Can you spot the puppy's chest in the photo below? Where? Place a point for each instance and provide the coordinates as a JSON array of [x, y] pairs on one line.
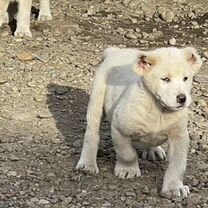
[[151, 132], [149, 138]]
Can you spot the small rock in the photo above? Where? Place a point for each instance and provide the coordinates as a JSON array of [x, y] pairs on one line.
[[133, 20], [205, 147], [91, 11], [51, 175], [14, 158], [43, 201], [34, 200], [24, 56], [145, 190], [11, 173], [41, 57], [145, 35], [120, 31], [67, 200], [106, 205], [131, 35], [44, 114], [167, 16], [85, 203], [172, 41], [195, 24]]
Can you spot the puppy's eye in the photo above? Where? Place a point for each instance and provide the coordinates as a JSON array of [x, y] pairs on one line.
[[165, 79], [185, 79]]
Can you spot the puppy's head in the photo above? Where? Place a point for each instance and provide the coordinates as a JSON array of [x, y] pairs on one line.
[[167, 73]]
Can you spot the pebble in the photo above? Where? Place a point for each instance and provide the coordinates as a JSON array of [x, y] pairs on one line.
[[34, 200], [195, 24], [145, 190], [11, 173], [24, 56], [91, 11], [43, 201], [172, 41], [167, 16], [67, 200], [121, 31], [131, 35], [44, 115]]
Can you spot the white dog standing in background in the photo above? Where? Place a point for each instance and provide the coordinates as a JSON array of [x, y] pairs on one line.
[[145, 96], [23, 16]]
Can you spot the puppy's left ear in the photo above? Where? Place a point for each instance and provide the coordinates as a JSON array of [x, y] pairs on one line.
[[193, 58]]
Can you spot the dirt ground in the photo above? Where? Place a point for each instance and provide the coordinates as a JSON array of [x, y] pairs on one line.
[[44, 99]]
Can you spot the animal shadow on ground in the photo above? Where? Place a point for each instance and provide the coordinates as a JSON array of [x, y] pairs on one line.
[[68, 106]]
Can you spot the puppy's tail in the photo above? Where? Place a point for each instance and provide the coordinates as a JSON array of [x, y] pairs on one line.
[[96, 102]]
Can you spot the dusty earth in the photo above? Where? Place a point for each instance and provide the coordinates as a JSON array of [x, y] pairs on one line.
[[45, 83]]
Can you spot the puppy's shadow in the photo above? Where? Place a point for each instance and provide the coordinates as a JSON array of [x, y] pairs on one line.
[[68, 106]]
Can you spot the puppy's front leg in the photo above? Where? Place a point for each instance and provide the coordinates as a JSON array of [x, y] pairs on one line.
[[127, 163], [3, 11], [45, 13], [23, 19], [177, 156]]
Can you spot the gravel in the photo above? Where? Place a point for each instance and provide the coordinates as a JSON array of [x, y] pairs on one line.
[[45, 84]]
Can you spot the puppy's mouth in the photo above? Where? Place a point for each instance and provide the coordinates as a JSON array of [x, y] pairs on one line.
[[173, 108]]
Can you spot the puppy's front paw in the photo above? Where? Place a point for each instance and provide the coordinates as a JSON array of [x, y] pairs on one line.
[[176, 192], [44, 17], [154, 153], [22, 33], [126, 172], [87, 166]]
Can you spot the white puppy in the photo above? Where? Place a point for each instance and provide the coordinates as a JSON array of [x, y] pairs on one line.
[[145, 96], [23, 17]]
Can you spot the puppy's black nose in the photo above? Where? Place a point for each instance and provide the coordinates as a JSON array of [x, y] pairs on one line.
[[181, 98]]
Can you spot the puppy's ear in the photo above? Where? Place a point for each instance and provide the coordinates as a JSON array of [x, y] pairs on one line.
[[193, 58], [144, 63]]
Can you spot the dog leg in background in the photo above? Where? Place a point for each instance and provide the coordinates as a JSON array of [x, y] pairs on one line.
[[127, 165], [45, 13], [23, 19], [88, 158], [3, 11], [177, 156]]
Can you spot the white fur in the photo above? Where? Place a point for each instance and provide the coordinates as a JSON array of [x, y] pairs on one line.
[[23, 17], [142, 108]]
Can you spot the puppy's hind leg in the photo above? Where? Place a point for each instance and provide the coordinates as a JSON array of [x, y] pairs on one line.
[[88, 157], [154, 153]]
